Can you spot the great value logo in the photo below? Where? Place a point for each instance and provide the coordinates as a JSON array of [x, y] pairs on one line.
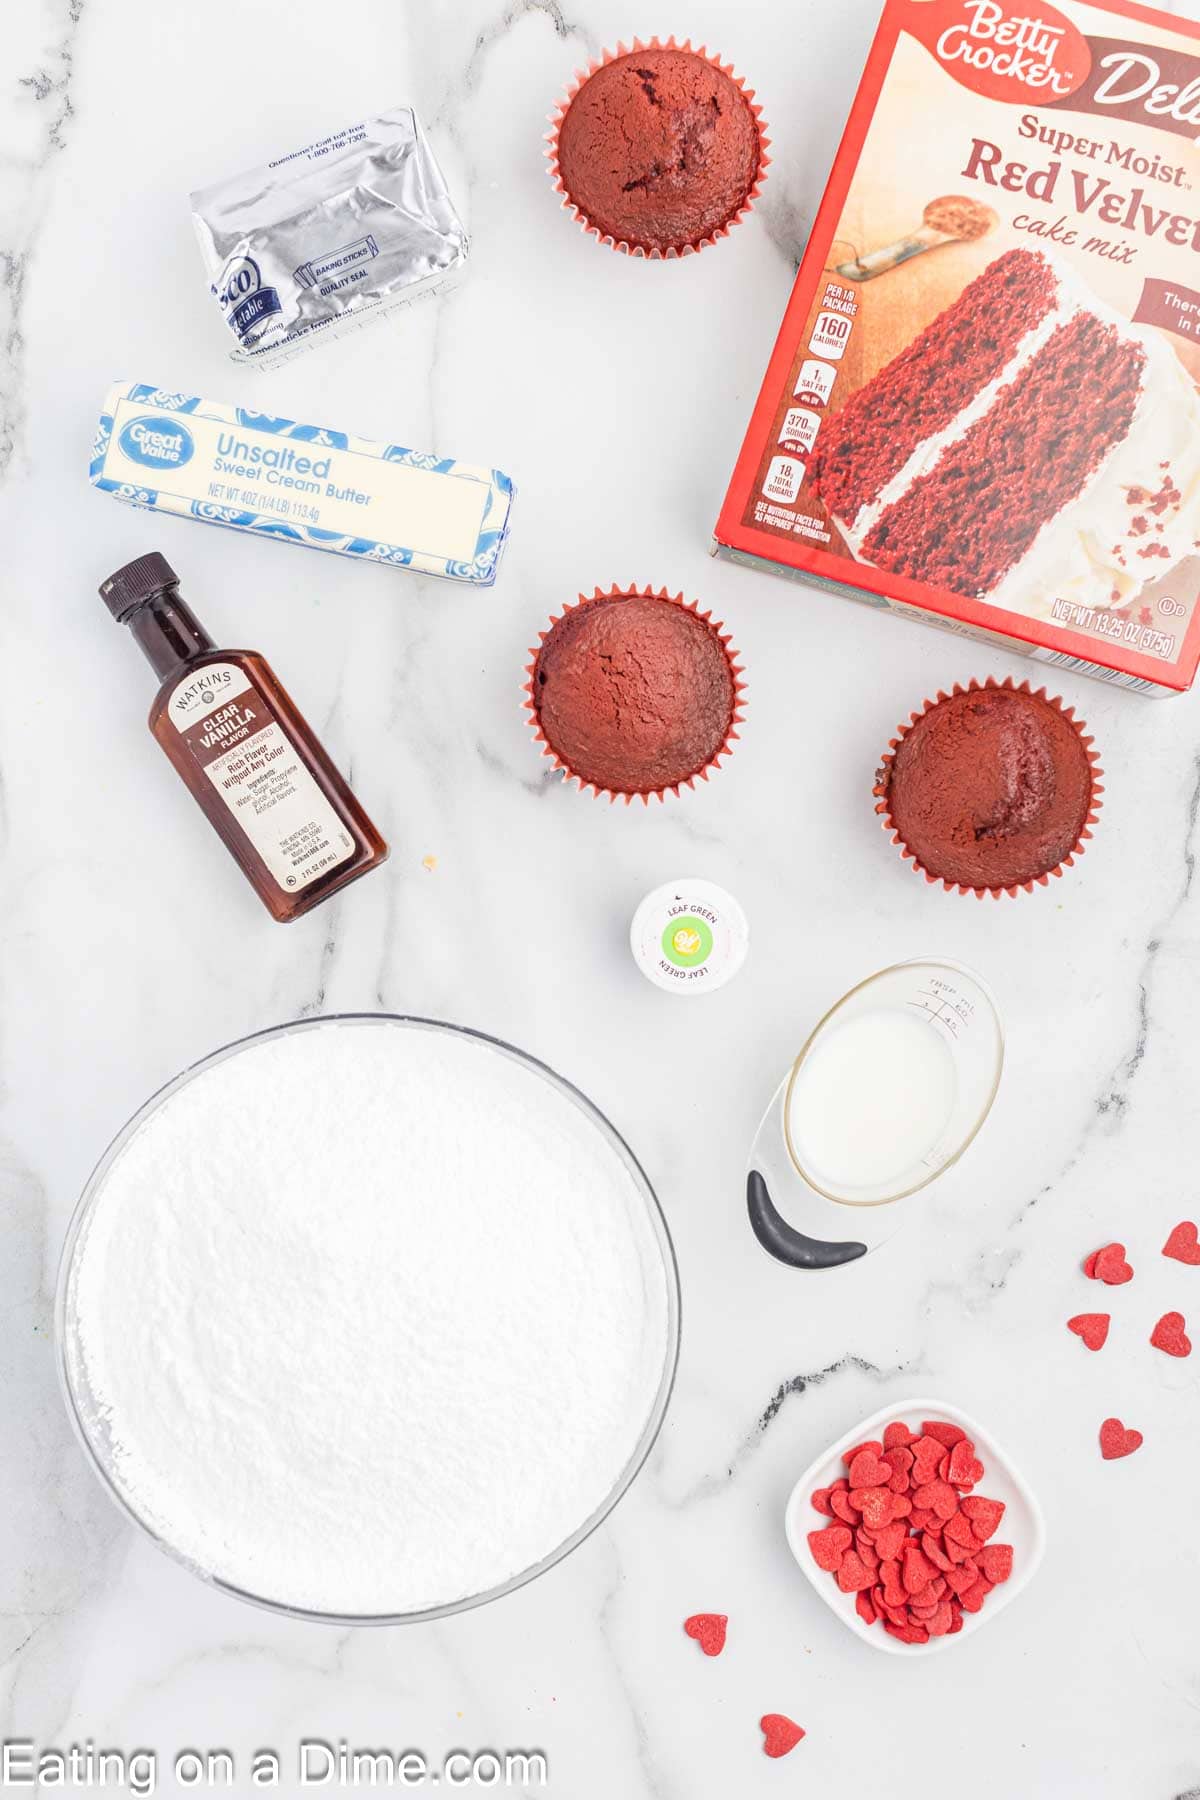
[[1023, 54], [156, 443]]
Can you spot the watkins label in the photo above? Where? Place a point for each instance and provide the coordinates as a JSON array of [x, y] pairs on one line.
[[1003, 50], [205, 689], [232, 732]]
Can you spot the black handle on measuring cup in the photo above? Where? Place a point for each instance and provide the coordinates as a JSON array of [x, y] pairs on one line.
[[783, 1241]]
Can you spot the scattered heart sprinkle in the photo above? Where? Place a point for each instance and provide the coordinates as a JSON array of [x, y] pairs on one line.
[[1116, 1441], [780, 1734], [1091, 1327], [708, 1629], [1169, 1335], [1184, 1244], [1108, 1264]]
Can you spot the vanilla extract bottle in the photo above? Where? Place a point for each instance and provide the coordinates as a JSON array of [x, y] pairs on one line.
[[244, 752]]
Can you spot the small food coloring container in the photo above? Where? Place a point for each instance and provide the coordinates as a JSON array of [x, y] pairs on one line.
[[689, 937]]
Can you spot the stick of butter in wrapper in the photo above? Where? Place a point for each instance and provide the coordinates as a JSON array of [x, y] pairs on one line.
[[323, 237], [306, 484]]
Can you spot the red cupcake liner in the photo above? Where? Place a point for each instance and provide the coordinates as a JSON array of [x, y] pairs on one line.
[[605, 237], [735, 718], [883, 782]]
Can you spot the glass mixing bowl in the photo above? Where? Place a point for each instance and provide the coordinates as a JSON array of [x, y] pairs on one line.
[[91, 1427]]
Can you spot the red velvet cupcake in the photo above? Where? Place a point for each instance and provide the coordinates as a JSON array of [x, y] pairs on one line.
[[633, 692], [991, 788], [658, 149]]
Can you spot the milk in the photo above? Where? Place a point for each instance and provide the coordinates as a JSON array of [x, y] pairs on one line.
[[870, 1101]]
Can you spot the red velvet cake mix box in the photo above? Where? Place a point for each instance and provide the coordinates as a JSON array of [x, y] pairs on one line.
[[981, 408]]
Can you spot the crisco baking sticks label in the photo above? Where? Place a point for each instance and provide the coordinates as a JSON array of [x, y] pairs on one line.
[[990, 409]]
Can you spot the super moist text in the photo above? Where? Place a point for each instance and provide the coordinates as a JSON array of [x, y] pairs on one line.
[[1093, 196]]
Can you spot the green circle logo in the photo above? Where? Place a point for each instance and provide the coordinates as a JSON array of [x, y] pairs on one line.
[[687, 941]]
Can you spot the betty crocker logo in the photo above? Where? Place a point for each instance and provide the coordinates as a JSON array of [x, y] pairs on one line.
[[1004, 50]]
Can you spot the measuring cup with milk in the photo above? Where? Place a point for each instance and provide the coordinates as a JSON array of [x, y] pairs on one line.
[[886, 1093]]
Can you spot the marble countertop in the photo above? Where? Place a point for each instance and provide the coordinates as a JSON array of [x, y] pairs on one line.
[[616, 393]]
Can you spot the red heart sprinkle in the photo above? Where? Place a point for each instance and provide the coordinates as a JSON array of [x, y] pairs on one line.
[[918, 1570], [939, 1498], [927, 1454], [944, 1432], [985, 1515], [1089, 1265], [942, 1622], [1116, 1441], [899, 1461], [908, 1634], [780, 1734], [1169, 1335], [975, 1595], [965, 1467], [889, 1540], [962, 1578], [1091, 1327], [1183, 1244], [854, 1574], [895, 1594], [869, 1470], [829, 1546], [1111, 1267], [848, 1456], [708, 1629], [996, 1561], [897, 1436], [875, 1505]]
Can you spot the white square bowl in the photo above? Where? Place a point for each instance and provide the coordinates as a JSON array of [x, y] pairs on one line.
[[1022, 1526]]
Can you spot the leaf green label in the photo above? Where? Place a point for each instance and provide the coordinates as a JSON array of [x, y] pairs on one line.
[[687, 941]]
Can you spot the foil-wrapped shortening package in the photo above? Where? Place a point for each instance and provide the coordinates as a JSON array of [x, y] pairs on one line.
[[328, 236]]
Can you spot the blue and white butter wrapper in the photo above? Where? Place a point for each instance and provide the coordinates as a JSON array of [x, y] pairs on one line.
[[305, 484]]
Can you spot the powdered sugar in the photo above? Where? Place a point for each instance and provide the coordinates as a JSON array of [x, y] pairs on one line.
[[368, 1318]]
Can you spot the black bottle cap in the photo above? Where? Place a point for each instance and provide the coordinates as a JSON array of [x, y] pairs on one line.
[[136, 583]]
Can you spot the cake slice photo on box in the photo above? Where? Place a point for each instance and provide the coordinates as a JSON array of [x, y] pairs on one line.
[[1029, 445], [982, 405]]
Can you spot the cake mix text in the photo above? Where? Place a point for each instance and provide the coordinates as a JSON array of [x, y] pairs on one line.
[[1092, 195]]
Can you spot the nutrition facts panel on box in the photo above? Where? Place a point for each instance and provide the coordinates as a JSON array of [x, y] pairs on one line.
[[834, 323], [797, 430]]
